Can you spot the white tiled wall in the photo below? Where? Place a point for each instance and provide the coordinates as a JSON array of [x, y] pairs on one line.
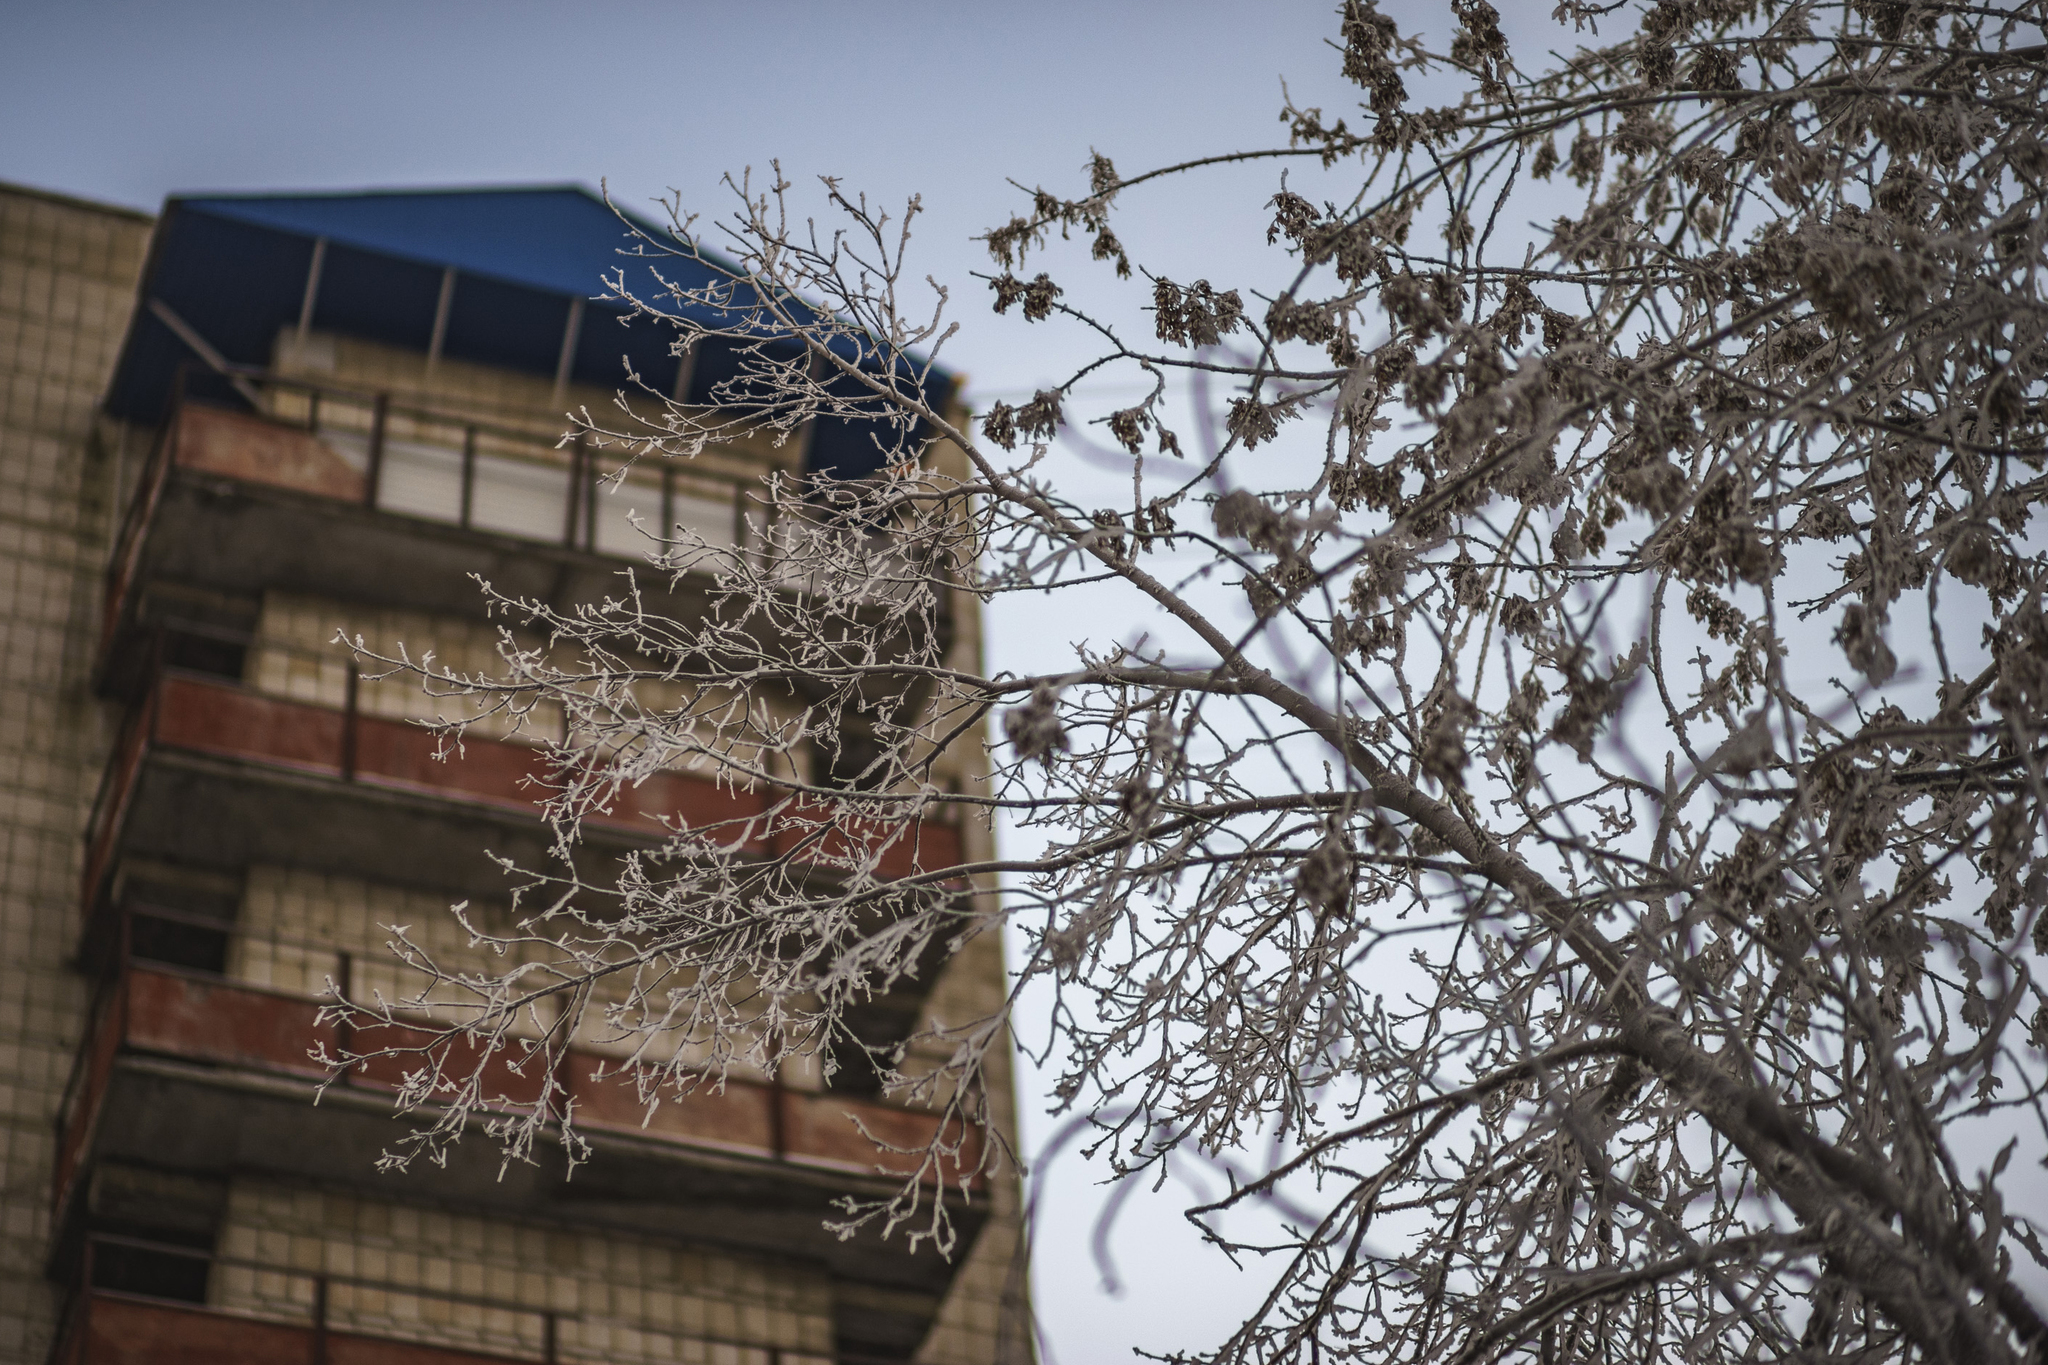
[[619, 1298], [67, 280], [296, 926]]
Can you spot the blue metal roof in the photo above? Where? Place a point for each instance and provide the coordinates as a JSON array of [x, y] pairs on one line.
[[234, 268], [559, 238]]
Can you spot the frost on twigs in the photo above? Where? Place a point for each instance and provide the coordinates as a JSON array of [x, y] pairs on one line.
[[1545, 786]]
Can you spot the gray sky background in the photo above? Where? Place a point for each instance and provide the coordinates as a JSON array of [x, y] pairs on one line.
[[128, 102]]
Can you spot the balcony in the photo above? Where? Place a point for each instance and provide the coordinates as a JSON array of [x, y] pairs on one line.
[[161, 1011], [210, 771], [265, 1312], [201, 1073], [400, 503], [336, 492]]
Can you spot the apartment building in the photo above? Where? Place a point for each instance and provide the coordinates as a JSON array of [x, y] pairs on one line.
[[225, 434]]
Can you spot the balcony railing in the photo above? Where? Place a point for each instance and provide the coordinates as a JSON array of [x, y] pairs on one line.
[[162, 1010], [423, 466], [219, 718], [373, 450], [263, 1311]]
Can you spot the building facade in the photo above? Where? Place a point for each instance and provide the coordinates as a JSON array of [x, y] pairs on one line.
[[226, 434]]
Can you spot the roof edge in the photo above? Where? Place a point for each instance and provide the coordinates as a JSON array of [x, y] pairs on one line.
[[639, 220], [77, 201]]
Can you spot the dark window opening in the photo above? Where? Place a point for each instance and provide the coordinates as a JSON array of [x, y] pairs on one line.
[[157, 1267], [198, 629], [221, 656], [853, 1070], [850, 761], [851, 1350], [875, 1030], [178, 941], [181, 917]]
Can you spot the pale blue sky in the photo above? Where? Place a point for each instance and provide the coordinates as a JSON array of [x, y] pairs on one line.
[[127, 102], [130, 101]]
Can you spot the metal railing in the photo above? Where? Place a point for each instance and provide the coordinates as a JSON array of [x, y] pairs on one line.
[[329, 730], [140, 725], [458, 469], [317, 1307], [288, 979], [333, 1306], [400, 457]]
